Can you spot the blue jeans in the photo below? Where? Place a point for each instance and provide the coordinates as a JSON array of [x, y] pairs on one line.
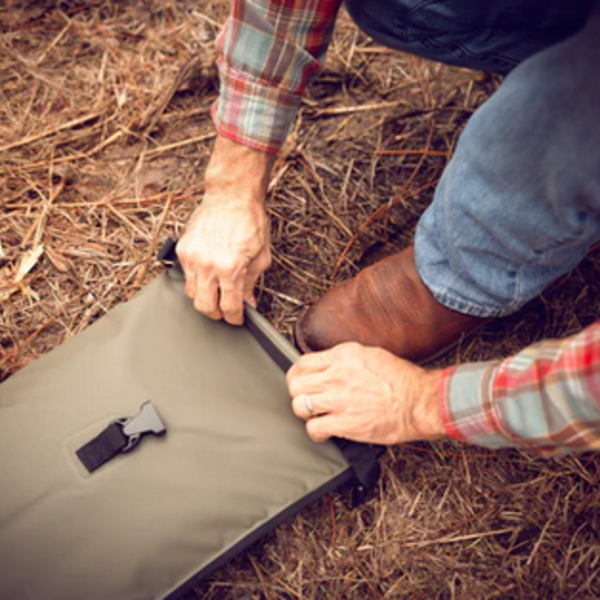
[[519, 203]]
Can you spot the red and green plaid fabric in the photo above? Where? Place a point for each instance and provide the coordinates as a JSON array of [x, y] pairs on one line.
[[546, 397], [268, 53]]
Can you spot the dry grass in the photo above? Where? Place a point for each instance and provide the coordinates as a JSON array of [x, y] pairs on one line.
[[104, 133]]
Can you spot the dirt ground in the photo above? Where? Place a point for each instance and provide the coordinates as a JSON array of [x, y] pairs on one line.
[[104, 135]]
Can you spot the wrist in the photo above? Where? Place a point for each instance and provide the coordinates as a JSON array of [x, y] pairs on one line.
[[242, 170], [427, 420]]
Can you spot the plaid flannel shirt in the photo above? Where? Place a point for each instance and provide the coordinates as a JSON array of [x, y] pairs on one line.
[[546, 397]]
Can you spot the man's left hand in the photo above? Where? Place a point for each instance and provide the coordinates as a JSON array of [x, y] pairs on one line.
[[367, 395]]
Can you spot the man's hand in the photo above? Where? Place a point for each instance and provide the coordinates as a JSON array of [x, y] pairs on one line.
[[225, 246], [367, 395]]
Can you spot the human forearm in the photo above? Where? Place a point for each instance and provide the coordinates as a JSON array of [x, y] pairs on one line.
[[427, 422], [237, 172], [225, 246]]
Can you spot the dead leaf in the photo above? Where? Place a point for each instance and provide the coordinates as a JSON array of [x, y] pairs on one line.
[[28, 261]]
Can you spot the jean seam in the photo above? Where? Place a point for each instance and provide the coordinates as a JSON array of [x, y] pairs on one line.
[[566, 242], [474, 309]]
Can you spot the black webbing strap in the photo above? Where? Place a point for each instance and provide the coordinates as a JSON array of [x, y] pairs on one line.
[[364, 459], [283, 361], [103, 447], [167, 253]]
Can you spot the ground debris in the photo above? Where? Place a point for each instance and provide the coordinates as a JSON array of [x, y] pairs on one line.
[[105, 129]]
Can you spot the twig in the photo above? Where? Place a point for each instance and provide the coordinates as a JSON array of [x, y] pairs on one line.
[[346, 110], [374, 50], [169, 147], [49, 132], [458, 538], [543, 533], [53, 44], [261, 578], [281, 295], [413, 152], [340, 224], [195, 64]]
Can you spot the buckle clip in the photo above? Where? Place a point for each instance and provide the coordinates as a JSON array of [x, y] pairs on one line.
[[146, 421]]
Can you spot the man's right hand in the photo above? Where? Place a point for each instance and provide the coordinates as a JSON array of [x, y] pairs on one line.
[[225, 246]]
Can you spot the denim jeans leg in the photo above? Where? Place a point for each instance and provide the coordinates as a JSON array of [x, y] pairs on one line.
[[519, 203]]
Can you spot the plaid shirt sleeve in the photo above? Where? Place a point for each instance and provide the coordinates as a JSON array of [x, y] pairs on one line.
[[268, 52], [546, 397]]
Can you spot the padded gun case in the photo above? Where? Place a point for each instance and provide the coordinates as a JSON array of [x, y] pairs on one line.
[[140, 455]]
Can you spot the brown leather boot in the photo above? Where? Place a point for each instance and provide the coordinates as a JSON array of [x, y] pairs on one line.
[[386, 305]]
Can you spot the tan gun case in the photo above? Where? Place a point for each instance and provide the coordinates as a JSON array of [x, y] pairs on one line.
[[230, 460]]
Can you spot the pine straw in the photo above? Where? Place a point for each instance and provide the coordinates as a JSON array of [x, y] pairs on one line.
[[105, 133]]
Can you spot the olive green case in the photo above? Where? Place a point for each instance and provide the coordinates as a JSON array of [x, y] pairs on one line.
[[149, 523]]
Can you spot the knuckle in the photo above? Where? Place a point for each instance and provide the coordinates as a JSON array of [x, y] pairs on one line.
[[231, 302], [182, 243], [228, 304], [304, 358], [351, 348], [296, 407], [347, 350], [313, 429], [289, 378], [310, 429], [200, 263], [227, 263], [199, 305], [196, 266], [233, 317], [227, 273], [265, 261], [293, 387], [215, 316], [225, 268], [190, 289], [182, 248]]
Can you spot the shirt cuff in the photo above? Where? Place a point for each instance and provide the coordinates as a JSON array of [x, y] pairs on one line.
[[467, 407], [253, 113]]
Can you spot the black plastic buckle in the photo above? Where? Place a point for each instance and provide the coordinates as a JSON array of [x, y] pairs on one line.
[[121, 435]]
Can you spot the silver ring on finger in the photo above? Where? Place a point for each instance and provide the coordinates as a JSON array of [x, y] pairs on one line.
[[308, 404]]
